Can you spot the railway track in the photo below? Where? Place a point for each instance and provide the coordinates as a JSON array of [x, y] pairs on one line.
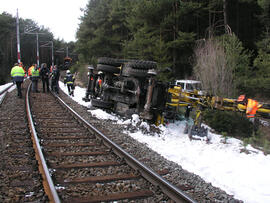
[[80, 164], [20, 180]]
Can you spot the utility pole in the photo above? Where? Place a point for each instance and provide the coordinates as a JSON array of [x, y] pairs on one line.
[[18, 38], [50, 45], [37, 50], [67, 52], [31, 32]]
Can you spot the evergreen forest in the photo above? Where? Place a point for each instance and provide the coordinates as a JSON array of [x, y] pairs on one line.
[[223, 43]]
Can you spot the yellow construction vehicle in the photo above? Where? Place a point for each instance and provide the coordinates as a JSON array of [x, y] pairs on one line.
[[194, 99]]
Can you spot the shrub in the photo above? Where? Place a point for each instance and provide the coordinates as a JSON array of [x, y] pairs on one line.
[[233, 123]]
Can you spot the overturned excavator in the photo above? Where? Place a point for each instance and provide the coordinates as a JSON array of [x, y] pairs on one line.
[[127, 87], [130, 87]]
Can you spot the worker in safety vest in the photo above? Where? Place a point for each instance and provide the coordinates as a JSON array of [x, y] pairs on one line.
[[17, 74], [99, 83], [69, 81], [251, 106], [90, 90], [21, 65], [30, 71], [35, 77], [100, 78]]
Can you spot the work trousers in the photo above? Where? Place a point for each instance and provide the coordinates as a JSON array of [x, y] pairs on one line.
[[45, 83], [55, 86], [70, 89], [34, 85], [19, 88]]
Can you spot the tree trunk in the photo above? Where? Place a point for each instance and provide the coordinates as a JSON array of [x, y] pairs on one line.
[[225, 15]]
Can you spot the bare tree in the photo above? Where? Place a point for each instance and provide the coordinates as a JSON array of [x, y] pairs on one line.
[[211, 68], [225, 14]]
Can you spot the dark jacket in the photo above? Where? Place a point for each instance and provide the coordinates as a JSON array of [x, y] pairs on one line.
[[69, 79], [55, 74], [44, 72]]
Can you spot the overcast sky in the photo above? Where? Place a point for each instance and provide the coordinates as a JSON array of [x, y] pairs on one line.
[[60, 16]]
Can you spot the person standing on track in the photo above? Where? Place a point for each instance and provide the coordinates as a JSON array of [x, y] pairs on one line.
[[30, 71], [21, 65], [35, 77], [45, 74], [55, 79], [17, 73], [69, 81]]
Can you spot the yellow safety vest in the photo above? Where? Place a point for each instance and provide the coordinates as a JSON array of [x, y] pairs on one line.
[[17, 71], [35, 72]]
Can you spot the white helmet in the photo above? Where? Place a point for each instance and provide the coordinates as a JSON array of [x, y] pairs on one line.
[[68, 71]]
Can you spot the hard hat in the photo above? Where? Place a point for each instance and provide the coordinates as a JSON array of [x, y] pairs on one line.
[[100, 72], [68, 71], [241, 98]]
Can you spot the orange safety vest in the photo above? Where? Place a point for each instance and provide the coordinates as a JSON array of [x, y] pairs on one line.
[[100, 82], [252, 107], [30, 71]]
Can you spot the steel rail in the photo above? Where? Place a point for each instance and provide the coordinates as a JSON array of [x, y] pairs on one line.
[[3, 93], [2, 97], [6, 89], [47, 180], [173, 192]]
